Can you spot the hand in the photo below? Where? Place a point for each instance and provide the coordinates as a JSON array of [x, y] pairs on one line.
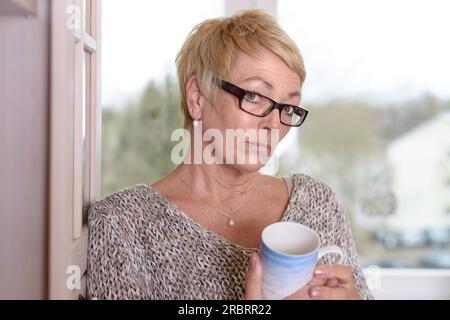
[[253, 283], [339, 284]]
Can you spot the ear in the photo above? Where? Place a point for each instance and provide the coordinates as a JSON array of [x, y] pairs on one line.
[[194, 97]]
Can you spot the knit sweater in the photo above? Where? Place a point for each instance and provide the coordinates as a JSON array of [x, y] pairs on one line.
[[142, 246]]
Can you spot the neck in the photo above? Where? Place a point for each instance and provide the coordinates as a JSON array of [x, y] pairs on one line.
[[222, 185]]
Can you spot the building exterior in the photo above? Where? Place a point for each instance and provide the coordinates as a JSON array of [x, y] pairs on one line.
[[420, 171]]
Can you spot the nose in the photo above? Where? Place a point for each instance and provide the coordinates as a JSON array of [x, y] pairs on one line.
[[272, 120]]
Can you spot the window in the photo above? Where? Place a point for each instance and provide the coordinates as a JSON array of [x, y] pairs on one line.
[[75, 133], [380, 122], [378, 126], [140, 90], [86, 119]]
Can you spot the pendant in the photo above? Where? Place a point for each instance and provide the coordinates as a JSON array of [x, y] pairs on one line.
[[230, 222]]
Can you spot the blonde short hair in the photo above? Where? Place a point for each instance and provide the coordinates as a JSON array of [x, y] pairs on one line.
[[213, 46]]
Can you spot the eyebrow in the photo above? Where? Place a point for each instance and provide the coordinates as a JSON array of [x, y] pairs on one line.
[[270, 86]]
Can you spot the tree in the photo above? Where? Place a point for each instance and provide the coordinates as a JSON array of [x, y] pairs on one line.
[[136, 138]]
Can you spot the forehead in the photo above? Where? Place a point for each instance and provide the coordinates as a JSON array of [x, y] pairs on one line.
[[266, 65]]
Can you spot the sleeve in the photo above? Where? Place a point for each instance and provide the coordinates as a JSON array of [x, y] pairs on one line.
[[113, 257], [340, 234]]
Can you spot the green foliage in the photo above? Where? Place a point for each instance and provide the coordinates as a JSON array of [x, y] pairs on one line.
[[340, 129], [344, 144], [136, 138]]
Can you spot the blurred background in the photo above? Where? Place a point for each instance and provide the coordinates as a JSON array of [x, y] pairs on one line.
[[378, 92]]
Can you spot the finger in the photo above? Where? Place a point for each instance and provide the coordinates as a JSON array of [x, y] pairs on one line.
[[327, 293], [340, 272], [317, 282], [303, 293], [253, 279]]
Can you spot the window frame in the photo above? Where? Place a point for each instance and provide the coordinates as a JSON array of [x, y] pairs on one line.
[[68, 235], [87, 155]]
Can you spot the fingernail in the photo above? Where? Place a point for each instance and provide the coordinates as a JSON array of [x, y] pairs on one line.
[[315, 292], [319, 272]]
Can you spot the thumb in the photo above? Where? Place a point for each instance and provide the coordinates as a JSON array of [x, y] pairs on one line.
[[253, 280]]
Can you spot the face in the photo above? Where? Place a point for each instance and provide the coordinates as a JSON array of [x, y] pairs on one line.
[[268, 75]]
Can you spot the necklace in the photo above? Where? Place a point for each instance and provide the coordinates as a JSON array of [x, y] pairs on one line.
[[231, 221]]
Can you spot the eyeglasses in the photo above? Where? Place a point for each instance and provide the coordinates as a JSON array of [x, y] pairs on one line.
[[261, 106]]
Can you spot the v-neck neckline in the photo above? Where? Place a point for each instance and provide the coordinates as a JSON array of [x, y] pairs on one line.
[[211, 233]]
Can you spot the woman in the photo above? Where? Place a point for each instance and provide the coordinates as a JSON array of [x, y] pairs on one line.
[[194, 234]]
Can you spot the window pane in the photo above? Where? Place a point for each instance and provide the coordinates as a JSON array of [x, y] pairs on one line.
[[379, 111], [140, 90], [86, 109]]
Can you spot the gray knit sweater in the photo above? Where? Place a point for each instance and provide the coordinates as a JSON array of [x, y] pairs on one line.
[[141, 246]]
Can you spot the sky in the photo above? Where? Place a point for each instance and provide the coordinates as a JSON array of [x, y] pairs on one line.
[[141, 39], [378, 51]]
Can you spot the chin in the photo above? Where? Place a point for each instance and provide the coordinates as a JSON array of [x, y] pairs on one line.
[[252, 162], [248, 167]]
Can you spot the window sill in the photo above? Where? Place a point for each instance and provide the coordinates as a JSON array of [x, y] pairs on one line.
[[409, 284]]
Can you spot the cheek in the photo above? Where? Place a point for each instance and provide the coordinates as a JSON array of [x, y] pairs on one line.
[[245, 121], [284, 130], [230, 116], [224, 113]]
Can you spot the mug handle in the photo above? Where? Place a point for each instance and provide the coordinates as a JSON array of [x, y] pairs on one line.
[[331, 249]]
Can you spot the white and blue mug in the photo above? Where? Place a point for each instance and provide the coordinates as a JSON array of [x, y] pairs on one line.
[[289, 254]]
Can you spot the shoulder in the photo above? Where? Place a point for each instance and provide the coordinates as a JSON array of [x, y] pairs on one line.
[[316, 205], [314, 201], [303, 187], [312, 188], [121, 207], [116, 244]]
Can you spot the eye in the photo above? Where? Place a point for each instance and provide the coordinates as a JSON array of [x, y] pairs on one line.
[[251, 97], [289, 110]]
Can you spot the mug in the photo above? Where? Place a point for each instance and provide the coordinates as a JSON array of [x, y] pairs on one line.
[[289, 254]]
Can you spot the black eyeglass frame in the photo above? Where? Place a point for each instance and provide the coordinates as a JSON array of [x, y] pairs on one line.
[[240, 94]]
